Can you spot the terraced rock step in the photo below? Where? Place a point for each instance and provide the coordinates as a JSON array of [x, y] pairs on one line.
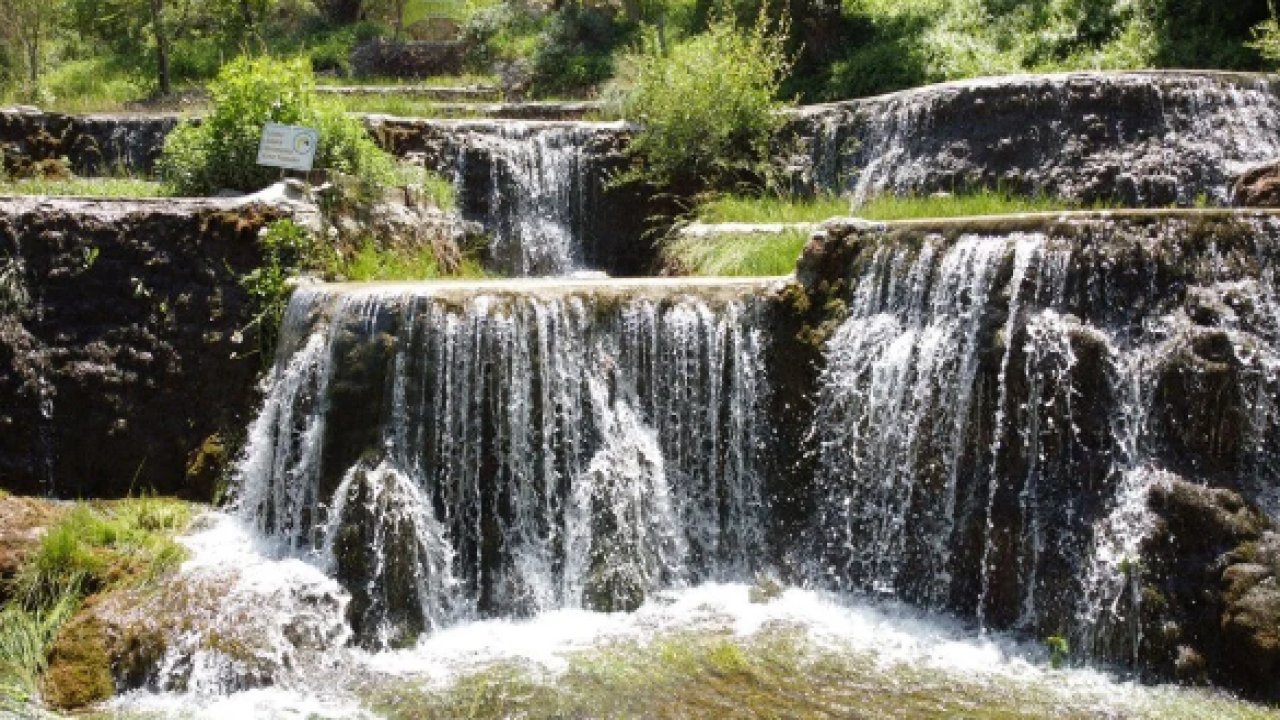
[[1142, 139]]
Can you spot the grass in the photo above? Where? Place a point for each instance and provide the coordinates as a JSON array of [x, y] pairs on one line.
[[771, 209], [759, 254], [986, 202], [735, 254], [777, 673], [371, 263], [437, 188], [103, 187], [92, 548]]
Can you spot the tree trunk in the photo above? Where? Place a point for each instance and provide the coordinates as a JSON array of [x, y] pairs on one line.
[[162, 46]]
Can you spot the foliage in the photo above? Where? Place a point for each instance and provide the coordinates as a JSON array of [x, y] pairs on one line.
[[286, 247], [221, 151], [90, 549], [890, 44], [1266, 36], [1059, 650], [437, 189], [370, 263], [107, 187], [735, 254], [770, 208], [758, 254], [707, 105], [967, 204], [25, 637]]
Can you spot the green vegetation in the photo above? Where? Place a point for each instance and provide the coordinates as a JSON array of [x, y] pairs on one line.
[[967, 204], [221, 151], [756, 254], [778, 673], [771, 209], [105, 54], [735, 254], [370, 262], [708, 105], [90, 549], [287, 247], [107, 187]]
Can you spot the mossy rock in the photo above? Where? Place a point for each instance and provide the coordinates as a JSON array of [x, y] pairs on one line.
[[79, 672]]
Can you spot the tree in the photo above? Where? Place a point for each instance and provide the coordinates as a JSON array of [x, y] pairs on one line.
[[162, 46], [29, 23]]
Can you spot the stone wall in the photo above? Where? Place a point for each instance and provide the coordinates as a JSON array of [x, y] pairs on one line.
[[126, 343], [94, 144]]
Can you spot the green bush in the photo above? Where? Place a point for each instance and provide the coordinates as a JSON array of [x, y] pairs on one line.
[[707, 105], [221, 151]]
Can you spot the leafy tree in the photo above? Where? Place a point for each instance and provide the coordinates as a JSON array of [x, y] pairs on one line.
[[28, 24], [707, 105]]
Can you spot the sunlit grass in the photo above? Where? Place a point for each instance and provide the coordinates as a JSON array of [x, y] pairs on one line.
[[735, 254], [754, 254], [90, 548], [101, 187], [969, 204], [371, 263], [771, 209], [444, 81]]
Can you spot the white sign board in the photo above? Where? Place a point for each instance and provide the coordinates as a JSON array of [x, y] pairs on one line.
[[288, 146]]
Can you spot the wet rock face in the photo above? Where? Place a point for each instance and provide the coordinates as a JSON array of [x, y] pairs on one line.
[[94, 144], [1259, 187], [1208, 602], [127, 343], [1142, 139], [1052, 424]]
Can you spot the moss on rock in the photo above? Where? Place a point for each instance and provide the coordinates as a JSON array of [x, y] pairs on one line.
[[79, 672]]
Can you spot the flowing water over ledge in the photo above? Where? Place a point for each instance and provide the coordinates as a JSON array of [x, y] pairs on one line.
[[711, 650]]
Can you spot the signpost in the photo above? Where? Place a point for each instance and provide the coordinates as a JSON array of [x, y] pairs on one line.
[[288, 147]]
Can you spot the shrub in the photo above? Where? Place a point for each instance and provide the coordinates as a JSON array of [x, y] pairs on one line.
[[221, 151], [707, 105]]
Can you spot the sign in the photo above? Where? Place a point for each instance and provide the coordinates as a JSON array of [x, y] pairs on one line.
[[288, 146]]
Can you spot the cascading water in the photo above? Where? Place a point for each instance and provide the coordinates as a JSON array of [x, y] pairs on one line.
[[996, 410], [1144, 138], [529, 184], [506, 453]]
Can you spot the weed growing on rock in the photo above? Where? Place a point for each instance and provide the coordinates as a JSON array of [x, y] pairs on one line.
[[90, 549]]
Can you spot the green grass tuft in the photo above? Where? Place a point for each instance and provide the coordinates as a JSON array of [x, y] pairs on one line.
[[372, 263], [969, 204], [99, 187], [763, 254], [90, 549], [771, 209], [736, 254]]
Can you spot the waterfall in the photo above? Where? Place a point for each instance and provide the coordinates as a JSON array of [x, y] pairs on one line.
[[996, 409], [1144, 139], [450, 456], [529, 184]]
